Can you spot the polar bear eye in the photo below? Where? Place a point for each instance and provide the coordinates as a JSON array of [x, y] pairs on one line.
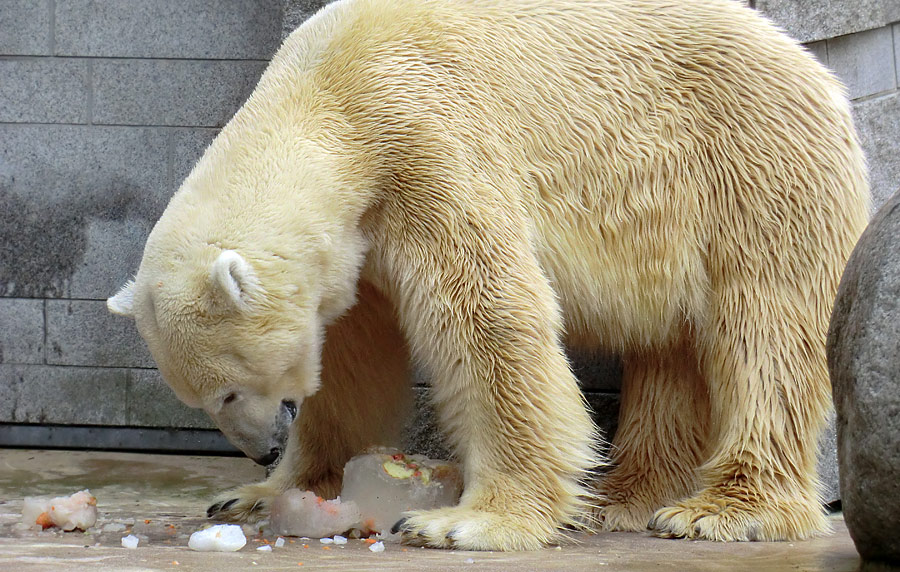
[[229, 398]]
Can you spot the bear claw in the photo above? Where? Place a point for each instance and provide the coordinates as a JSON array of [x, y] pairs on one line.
[[399, 525], [220, 507]]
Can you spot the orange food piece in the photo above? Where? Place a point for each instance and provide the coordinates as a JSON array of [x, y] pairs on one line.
[[146, 521], [326, 548], [369, 540], [44, 519]]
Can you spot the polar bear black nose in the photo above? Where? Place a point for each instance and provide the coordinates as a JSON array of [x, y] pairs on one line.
[[270, 458]]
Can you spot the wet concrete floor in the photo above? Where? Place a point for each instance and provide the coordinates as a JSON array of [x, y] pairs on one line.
[[163, 498]]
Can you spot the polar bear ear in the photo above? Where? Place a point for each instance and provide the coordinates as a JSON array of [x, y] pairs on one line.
[[123, 302], [234, 278]]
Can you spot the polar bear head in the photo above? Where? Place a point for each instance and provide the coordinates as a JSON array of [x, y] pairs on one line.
[[246, 353]]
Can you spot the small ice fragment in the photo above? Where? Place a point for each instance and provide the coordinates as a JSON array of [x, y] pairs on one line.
[[279, 542], [68, 513], [338, 539], [113, 527], [130, 541], [470, 561], [264, 548], [218, 538], [386, 483], [302, 513], [377, 547], [326, 540]]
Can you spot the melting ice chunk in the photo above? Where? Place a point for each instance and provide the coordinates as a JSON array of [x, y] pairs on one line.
[[68, 513], [386, 483], [130, 541], [302, 513], [218, 538]]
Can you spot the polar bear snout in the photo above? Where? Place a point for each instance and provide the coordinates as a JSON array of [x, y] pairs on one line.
[[258, 425], [287, 414]]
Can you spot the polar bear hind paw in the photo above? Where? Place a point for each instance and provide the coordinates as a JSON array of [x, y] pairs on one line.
[[709, 517]]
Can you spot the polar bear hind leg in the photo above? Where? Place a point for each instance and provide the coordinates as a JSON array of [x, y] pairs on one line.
[[658, 447], [769, 393]]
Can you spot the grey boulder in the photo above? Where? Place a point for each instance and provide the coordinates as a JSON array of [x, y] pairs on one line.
[[864, 362]]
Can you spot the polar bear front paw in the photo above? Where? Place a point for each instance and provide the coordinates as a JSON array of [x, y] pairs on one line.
[[468, 529], [243, 504]]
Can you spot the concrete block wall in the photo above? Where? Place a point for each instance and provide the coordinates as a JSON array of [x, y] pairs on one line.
[[105, 107]]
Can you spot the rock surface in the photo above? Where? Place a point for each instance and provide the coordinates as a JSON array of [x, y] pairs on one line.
[[864, 361]]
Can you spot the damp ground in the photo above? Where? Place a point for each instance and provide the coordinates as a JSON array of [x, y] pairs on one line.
[[162, 499]]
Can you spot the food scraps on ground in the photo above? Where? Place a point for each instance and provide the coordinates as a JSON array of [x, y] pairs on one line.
[[68, 513]]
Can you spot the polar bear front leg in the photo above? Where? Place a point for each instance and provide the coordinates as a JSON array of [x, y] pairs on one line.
[[364, 400], [482, 317]]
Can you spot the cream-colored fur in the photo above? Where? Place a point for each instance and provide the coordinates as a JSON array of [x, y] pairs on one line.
[[473, 184]]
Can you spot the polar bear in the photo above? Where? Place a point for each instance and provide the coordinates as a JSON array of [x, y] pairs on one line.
[[471, 186]]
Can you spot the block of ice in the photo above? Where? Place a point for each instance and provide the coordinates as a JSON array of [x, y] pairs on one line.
[[302, 513], [386, 483], [377, 547], [130, 541], [279, 542], [218, 538], [68, 513]]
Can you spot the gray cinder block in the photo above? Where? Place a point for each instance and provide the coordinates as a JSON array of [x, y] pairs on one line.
[[25, 27], [878, 124], [187, 147], [22, 331], [67, 395], [54, 180], [819, 50], [152, 403], [171, 92], [864, 61], [827, 465], [43, 90], [811, 20], [896, 32], [298, 11], [83, 332], [112, 254], [207, 29]]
